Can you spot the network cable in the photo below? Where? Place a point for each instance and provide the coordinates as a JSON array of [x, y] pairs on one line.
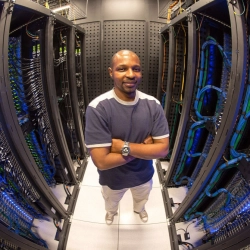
[[64, 100], [203, 86]]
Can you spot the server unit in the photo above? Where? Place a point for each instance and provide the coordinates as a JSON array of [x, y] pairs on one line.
[[206, 102], [43, 100]]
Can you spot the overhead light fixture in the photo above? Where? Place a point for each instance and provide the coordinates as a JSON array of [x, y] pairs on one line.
[[65, 7]]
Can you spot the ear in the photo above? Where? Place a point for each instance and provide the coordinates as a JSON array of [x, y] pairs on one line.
[[110, 72]]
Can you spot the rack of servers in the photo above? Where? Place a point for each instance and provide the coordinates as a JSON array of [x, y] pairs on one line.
[[204, 88], [42, 106]]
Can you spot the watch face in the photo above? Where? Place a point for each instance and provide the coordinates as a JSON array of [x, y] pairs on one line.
[[125, 151]]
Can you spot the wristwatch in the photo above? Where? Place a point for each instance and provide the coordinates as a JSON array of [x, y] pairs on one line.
[[125, 149]]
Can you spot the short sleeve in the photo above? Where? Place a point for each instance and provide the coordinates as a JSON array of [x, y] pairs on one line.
[[160, 125], [97, 133]]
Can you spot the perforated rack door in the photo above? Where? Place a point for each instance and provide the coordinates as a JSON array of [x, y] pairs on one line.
[[153, 57], [124, 34], [93, 58]]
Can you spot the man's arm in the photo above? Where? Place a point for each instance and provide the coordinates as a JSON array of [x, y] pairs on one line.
[[104, 159], [158, 149], [107, 158]]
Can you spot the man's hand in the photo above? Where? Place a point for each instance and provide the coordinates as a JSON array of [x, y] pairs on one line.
[[116, 146], [148, 140]]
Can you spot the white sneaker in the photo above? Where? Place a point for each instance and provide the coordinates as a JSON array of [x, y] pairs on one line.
[[109, 218], [143, 215]]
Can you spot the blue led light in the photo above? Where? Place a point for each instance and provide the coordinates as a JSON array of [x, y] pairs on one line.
[[24, 214], [245, 208]]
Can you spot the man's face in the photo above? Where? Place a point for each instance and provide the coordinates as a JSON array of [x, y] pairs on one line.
[[126, 73]]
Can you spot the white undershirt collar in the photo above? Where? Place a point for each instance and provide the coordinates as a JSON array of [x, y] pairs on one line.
[[124, 102]]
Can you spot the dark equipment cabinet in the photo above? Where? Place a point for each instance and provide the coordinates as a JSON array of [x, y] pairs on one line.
[[205, 84], [36, 156]]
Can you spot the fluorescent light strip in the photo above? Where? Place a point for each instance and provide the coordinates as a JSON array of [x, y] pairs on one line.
[[65, 7]]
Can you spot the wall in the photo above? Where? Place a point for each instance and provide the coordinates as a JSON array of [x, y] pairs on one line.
[[98, 10], [112, 25]]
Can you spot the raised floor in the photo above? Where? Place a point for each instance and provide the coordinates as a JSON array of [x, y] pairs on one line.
[[89, 231]]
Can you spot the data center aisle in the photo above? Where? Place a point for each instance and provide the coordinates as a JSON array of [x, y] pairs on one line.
[[89, 231]]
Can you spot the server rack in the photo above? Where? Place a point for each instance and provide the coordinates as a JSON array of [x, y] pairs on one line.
[[35, 157], [206, 157]]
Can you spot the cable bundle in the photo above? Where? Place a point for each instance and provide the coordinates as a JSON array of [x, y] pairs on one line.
[[245, 114], [14, 182], [202, 106], [178, 82], [17, 196], [35, 99], [11, 172], [17, 219], [40, 158], [13, 214], [64, 100], [234, 218], [235, 159], [15, 74], [29, 87], [64, 80], [239, 191], [79, 83], [234, 199]]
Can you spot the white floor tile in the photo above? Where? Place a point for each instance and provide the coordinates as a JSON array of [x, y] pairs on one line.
[[178, 195], [144, 237], [164, 165], [47, 231], [91, 176], [92, 236], [89, 231], [154, 208], [75, 165], [60, 194], [90, 206]]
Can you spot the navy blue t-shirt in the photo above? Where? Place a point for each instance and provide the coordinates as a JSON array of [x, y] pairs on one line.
[[109, 117]]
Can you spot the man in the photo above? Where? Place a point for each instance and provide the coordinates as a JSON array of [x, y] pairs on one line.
[[125, 130]]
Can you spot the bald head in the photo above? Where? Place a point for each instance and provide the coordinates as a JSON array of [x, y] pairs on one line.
[[125, 70], [122, 53]]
